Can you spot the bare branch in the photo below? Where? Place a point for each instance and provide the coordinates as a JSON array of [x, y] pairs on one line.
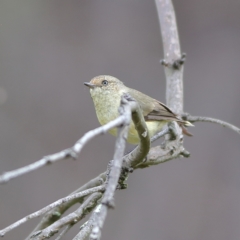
[[116, 167], [72, 152], [173, 62], [86, 228], [70, 219], [49, 207], [47, 220], [212, 120], [165, 152], [129, 158], [172, 53], [64, 231], [163, 132], [127, 109], [159, 155], [63, 202], [51, 216], [139, 153]]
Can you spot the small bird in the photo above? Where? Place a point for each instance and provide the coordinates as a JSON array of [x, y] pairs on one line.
[[106, 92]]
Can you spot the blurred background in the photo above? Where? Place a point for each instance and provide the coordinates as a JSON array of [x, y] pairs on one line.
[[49, 48]]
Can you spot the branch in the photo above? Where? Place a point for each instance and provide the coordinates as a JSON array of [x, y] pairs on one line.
[[86, 228], [173, 62], [72, 152], [51, 217], [131, 159], [165, 152], [64, 231], [70, 219], [49, 207], [172, 53], [140, 152], [59, 207], [55, 214], [116, 166], [212, 120], [163, 132]]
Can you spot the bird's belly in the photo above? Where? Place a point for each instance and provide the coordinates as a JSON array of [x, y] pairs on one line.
[[153, 128]]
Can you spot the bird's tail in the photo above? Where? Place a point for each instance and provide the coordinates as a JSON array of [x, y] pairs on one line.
[[184, 124]]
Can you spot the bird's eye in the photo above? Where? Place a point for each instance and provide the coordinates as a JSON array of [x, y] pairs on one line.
[[104, 82]]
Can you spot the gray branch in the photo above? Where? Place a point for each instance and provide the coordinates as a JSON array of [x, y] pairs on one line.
[[116, 164], [70, 219], [72, 152], [56, 213], [63, 232], [86, 228], [172, 53], [51, 216], [49, 207], [212, 120]]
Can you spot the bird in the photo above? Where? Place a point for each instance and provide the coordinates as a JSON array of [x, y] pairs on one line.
[[106, 92]]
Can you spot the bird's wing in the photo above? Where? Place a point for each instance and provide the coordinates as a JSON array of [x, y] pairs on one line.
[[161, 112], [153, 110]]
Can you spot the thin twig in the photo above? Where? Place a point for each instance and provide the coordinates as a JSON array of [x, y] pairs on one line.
[[167, 151], [159, 155], [213, 120], [71, 218], [49, 207], [72, 152], [51, 216], [63, 232], [139, 153], [86, 228], [160, 134]]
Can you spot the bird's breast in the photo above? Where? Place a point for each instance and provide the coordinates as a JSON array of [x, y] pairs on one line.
[[106, 105]]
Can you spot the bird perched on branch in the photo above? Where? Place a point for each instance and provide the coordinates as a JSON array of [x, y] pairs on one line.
[[106, 92]]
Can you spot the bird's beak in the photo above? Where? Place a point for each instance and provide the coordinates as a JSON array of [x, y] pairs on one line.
[[90, 85]]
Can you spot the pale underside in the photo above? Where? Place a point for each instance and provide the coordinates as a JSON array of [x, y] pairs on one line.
[[110, 112]]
